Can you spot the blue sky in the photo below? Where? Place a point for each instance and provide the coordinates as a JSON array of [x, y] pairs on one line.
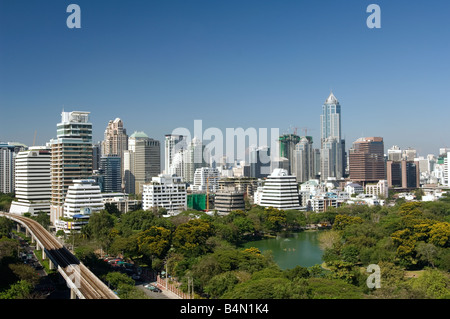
[[160, 64]]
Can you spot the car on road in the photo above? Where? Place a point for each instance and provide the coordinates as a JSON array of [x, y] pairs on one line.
[[153, 288]]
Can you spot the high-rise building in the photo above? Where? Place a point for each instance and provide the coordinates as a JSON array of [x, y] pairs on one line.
[[8, 153], [366, 159], [260, 162], [32, 181], [110, 166], [141, 162], [332, 144], [96, 155], [303, 165], [116, 138], [287, 148], [173, 144], [280, 191], [71, 157]]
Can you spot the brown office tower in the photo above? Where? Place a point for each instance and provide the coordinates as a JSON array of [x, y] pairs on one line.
[[403, 174], [366, 160]]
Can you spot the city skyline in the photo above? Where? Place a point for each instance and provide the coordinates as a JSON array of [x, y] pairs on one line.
[[160, 66]]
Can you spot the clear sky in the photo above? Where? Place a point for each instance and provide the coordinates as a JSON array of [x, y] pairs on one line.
[[161, 64]]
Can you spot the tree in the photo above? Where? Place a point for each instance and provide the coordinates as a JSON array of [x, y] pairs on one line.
[[6, 226], [154, 242], [190, 238], [221, 283], [427, 252], [433, 283], [20, 290], [100, 225], [342, 221], [274, 218]]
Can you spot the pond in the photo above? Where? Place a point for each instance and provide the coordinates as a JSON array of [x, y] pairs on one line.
[[290, 250]]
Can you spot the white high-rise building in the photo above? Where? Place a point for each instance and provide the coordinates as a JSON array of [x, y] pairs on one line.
[[33, 182], [206, 178], [173, 144], [71, 157], [280, 191], [166, 191]]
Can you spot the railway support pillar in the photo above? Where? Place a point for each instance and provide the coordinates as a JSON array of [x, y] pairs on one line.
[[73, 294]]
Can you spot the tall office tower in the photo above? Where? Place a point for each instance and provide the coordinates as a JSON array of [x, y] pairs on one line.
[[366, 159], [111, 168], [173, 144], [8, 153], [260, 162], [116, 138], [303, 165], [71, 157], [332, 144], [96, 155], [316, 166], [394, 153], [280, 191], [33, 183], [193, 158], [127, 172], [403, 174], [287, 144], [141, 162]]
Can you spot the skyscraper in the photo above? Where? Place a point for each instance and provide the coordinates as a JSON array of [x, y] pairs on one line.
[[260, 162], [71, 157], [366, 159], [33, 183], [110, 166], [287, 147], [332, 144], [8, 154], [116, 138], [141, 162], [303, 165], [173, 144]]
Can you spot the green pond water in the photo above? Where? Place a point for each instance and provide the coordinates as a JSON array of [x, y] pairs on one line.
[[293, 249]]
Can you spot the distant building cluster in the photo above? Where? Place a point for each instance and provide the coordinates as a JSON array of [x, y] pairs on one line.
[[71, 177]]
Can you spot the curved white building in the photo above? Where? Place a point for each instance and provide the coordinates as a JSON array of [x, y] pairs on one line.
[[280, 191], [83, 198]]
